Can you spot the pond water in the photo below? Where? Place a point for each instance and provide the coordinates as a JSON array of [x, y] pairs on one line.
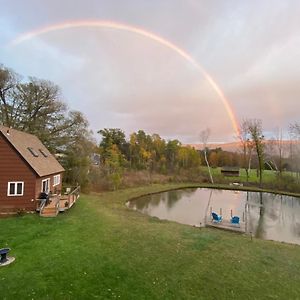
[[264, 215]]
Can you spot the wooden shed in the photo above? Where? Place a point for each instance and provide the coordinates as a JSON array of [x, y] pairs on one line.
[[27, 168], [230, 171]]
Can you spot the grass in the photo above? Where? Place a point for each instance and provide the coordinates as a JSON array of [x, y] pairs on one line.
[[100, 249], [268, 175]]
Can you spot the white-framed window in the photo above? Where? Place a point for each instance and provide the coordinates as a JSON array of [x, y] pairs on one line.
[[15, 188], [56, 180], [45, 186]]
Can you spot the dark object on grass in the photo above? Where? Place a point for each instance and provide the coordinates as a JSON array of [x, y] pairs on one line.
[[3, 253]]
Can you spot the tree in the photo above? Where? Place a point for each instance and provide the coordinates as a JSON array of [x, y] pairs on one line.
[[255, 130], [275, 152], [76, 157], [36, 107], [294, 130], [172, 149], [214, 159], [113, 165], [158, 153], [8, 83], [246, 146], [204, 135], [113, 136]]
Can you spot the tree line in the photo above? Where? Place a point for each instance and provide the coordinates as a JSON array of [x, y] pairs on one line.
[[37, 106], [142, 151]]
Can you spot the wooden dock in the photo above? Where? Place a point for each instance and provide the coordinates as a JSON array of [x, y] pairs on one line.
[[226, 225]]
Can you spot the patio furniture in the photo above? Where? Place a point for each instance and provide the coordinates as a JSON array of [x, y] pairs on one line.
[[235, 220], [216, 218]]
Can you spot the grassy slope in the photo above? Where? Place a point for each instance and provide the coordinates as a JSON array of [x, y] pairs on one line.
[[100, 249]]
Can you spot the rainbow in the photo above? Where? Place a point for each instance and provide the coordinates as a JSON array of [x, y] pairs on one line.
[[124, 27]]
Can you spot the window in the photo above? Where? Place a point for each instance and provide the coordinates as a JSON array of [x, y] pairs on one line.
[[45, 185], [56, 180], [43, 153], [33, 152], [15, 188]]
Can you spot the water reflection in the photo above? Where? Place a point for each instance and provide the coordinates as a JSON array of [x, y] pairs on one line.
[[274, 217], [266, 216]]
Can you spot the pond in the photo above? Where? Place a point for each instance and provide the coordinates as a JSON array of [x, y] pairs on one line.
[[264, 215]]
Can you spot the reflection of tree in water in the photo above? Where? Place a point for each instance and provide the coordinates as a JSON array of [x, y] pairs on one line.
[[273, 206], [260, 230], [144, 202], [176, 195], [294, 216], [272, 213], [168, 198], [255, 213]]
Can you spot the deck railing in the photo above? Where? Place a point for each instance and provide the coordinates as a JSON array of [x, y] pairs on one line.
[[69, 197], [61, 202]]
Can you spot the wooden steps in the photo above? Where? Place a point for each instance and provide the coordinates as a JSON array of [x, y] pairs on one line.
[[49, 212], [60, 203], [51, 209]]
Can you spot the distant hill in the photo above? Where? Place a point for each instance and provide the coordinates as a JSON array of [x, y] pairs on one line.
[[231, 147], [234, 146]]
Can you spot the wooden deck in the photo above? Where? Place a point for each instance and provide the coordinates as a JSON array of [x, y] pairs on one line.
[[226, 225], [59, 203]]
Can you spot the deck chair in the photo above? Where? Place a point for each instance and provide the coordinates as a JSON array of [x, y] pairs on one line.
[[216, 218], [235, 220]]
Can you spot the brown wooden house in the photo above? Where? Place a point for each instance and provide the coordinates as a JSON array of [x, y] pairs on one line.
[[27, 168]]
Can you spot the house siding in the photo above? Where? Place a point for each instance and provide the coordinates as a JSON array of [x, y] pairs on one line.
[[54, 189], [14, 168]]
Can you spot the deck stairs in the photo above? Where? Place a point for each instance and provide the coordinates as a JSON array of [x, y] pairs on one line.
[[59, 203]]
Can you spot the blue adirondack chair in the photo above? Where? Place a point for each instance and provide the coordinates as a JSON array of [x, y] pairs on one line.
[[216, 218], [235, 220]]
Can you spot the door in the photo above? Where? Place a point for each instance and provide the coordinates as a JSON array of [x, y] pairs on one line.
[[45, 186]]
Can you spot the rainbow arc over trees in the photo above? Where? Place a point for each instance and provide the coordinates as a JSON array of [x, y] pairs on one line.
[[139, 31]]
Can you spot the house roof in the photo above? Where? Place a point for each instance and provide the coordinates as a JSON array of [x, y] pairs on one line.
[[33, 151]]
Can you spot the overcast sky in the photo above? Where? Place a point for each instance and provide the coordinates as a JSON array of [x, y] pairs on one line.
[[121, 79]]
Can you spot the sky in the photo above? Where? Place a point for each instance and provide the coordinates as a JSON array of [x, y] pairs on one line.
[[120, 79]]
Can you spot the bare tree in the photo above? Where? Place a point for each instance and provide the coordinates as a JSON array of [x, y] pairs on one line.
[[255, 130], [276, 151], [204, 135], [246, 147], [294, 130]]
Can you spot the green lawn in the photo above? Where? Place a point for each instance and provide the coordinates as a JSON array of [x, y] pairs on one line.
[[100, 249], [268, 175]]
